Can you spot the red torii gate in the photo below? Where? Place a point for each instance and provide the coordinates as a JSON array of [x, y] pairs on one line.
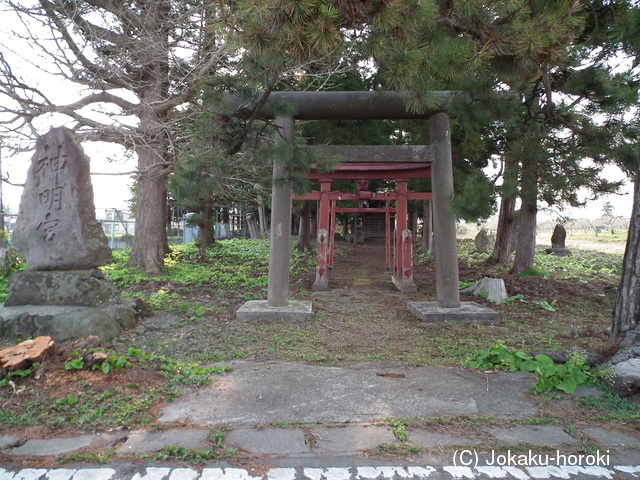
[[400, 164]]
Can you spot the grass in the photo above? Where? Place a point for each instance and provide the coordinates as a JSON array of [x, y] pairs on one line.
[[206, 296]]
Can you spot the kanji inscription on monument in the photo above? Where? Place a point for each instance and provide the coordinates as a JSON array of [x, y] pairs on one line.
[[57, 227]]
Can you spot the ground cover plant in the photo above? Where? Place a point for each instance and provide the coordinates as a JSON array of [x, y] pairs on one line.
[[563, 304]]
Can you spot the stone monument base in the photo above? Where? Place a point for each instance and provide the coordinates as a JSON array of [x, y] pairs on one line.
[[467, 312], [65, 306], [259, 310], [63, 323]]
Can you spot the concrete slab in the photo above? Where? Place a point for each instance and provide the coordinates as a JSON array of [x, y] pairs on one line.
[[53, 446], [427, 439], [468, 312], [611, 438], [144, 442], [543, 435], [8, 440], [350, 440], [268, 441], [259, 310], [258, 393]]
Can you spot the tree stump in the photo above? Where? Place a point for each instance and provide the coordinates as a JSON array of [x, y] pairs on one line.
[[23, 355], [494, 287]]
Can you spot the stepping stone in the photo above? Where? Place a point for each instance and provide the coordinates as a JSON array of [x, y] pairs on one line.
[[144, 442], [543, 435], [52, 446], [268, 441], [351, 439], [426, 439], [611, 438]]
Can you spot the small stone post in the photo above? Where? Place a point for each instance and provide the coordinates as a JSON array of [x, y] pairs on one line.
[[280, 249], [447, 288]]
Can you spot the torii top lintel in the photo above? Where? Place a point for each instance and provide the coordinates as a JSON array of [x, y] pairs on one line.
[[371, 162], [347, 105]]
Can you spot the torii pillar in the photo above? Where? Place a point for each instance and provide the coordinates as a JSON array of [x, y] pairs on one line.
[[278, 306], [448, 306]]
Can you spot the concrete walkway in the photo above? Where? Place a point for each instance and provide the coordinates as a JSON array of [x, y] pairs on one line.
[[288, 421]]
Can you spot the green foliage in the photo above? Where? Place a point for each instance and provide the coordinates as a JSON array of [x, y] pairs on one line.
[[566, 377], [102, 458], [399, 426], [498, 357], [534, 271], [74, 364], [610, 407], [514, 298], [543, 304], [234, 265], [192, 457], [18, 374], [69, 399], [12, 263], [583, 265], [112, 363]]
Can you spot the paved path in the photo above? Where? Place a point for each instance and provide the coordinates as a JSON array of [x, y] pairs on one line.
[[288, 421]]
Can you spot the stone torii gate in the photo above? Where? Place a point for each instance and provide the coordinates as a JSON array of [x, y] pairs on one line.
[[359, 106]]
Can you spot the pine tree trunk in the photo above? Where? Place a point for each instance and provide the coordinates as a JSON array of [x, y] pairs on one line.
[[506, 224], [525, 253], [304, 236], [502, 249], [625, 328], [205, 226]]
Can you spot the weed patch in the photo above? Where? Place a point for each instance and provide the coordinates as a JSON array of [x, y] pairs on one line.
[[566, 377]]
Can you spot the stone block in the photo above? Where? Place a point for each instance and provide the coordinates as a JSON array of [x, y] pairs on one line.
[[467, 312], [427, 439], [268, 441], [351, 439], [543, 435], [60, 323], [53, 446], [144, 442], [611, 438], [259, 310], [58, 288]]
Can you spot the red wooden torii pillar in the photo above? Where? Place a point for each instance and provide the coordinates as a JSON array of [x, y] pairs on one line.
[[401, 173]]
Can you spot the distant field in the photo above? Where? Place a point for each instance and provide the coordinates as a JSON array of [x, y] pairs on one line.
[[605, 241], [587, 240]]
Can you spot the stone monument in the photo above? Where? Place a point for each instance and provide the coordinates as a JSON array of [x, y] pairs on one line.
[[482, 241], [558, 239], [62, 293]]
